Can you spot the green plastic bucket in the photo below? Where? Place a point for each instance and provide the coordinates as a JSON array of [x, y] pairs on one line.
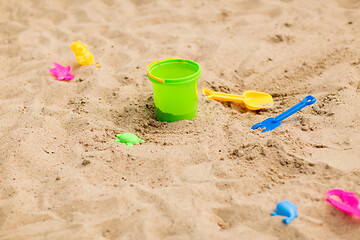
[[174, 83]]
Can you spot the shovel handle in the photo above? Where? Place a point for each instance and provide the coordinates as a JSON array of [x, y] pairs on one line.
[[308, 100], [222, 96]]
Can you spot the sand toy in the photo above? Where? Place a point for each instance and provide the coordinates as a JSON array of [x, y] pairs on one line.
[[348, 203], [287, 209], [272, 123], [129, 139], [61, 72], [252, 100], [82, 53], [174, 83]]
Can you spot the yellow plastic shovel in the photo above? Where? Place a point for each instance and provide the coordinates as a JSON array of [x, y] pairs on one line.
[[253, 100]]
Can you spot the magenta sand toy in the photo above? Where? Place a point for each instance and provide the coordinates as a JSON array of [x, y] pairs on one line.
[[349, 202], [61, 72]]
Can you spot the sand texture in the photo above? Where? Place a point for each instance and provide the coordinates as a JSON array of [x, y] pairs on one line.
[[62, 176]]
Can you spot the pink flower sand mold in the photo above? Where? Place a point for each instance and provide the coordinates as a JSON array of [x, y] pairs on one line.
[[349, 202], [61, 72]]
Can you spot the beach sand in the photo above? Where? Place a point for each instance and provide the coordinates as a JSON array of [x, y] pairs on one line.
[[62, 176]]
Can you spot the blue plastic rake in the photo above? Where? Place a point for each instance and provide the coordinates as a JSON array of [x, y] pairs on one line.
[[272, 123]]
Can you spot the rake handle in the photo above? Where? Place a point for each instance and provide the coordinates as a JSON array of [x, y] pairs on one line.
[[308, 100]]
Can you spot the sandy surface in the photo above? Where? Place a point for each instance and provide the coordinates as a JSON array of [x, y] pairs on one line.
[[62, 176]]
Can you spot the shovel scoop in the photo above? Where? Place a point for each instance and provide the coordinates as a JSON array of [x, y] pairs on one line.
[[253, 100]]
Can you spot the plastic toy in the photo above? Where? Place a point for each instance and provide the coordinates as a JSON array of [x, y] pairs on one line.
[[272, 123], [61, 72], [286, 209], [129, 139], [348, 203], [252, 100], [174, 83], [82, 53]]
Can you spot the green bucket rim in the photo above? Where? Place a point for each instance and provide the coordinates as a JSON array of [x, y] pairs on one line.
[[155, 64]]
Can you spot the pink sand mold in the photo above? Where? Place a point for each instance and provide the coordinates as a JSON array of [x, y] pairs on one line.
[[61, 72], [349, 202]]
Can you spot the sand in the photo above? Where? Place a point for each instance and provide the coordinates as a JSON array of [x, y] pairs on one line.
[[62, 176]]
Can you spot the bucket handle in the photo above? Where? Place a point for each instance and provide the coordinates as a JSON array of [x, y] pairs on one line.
[[152, 76]]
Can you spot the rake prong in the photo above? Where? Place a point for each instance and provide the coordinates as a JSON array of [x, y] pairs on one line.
[[257, 125], [265, 130]]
